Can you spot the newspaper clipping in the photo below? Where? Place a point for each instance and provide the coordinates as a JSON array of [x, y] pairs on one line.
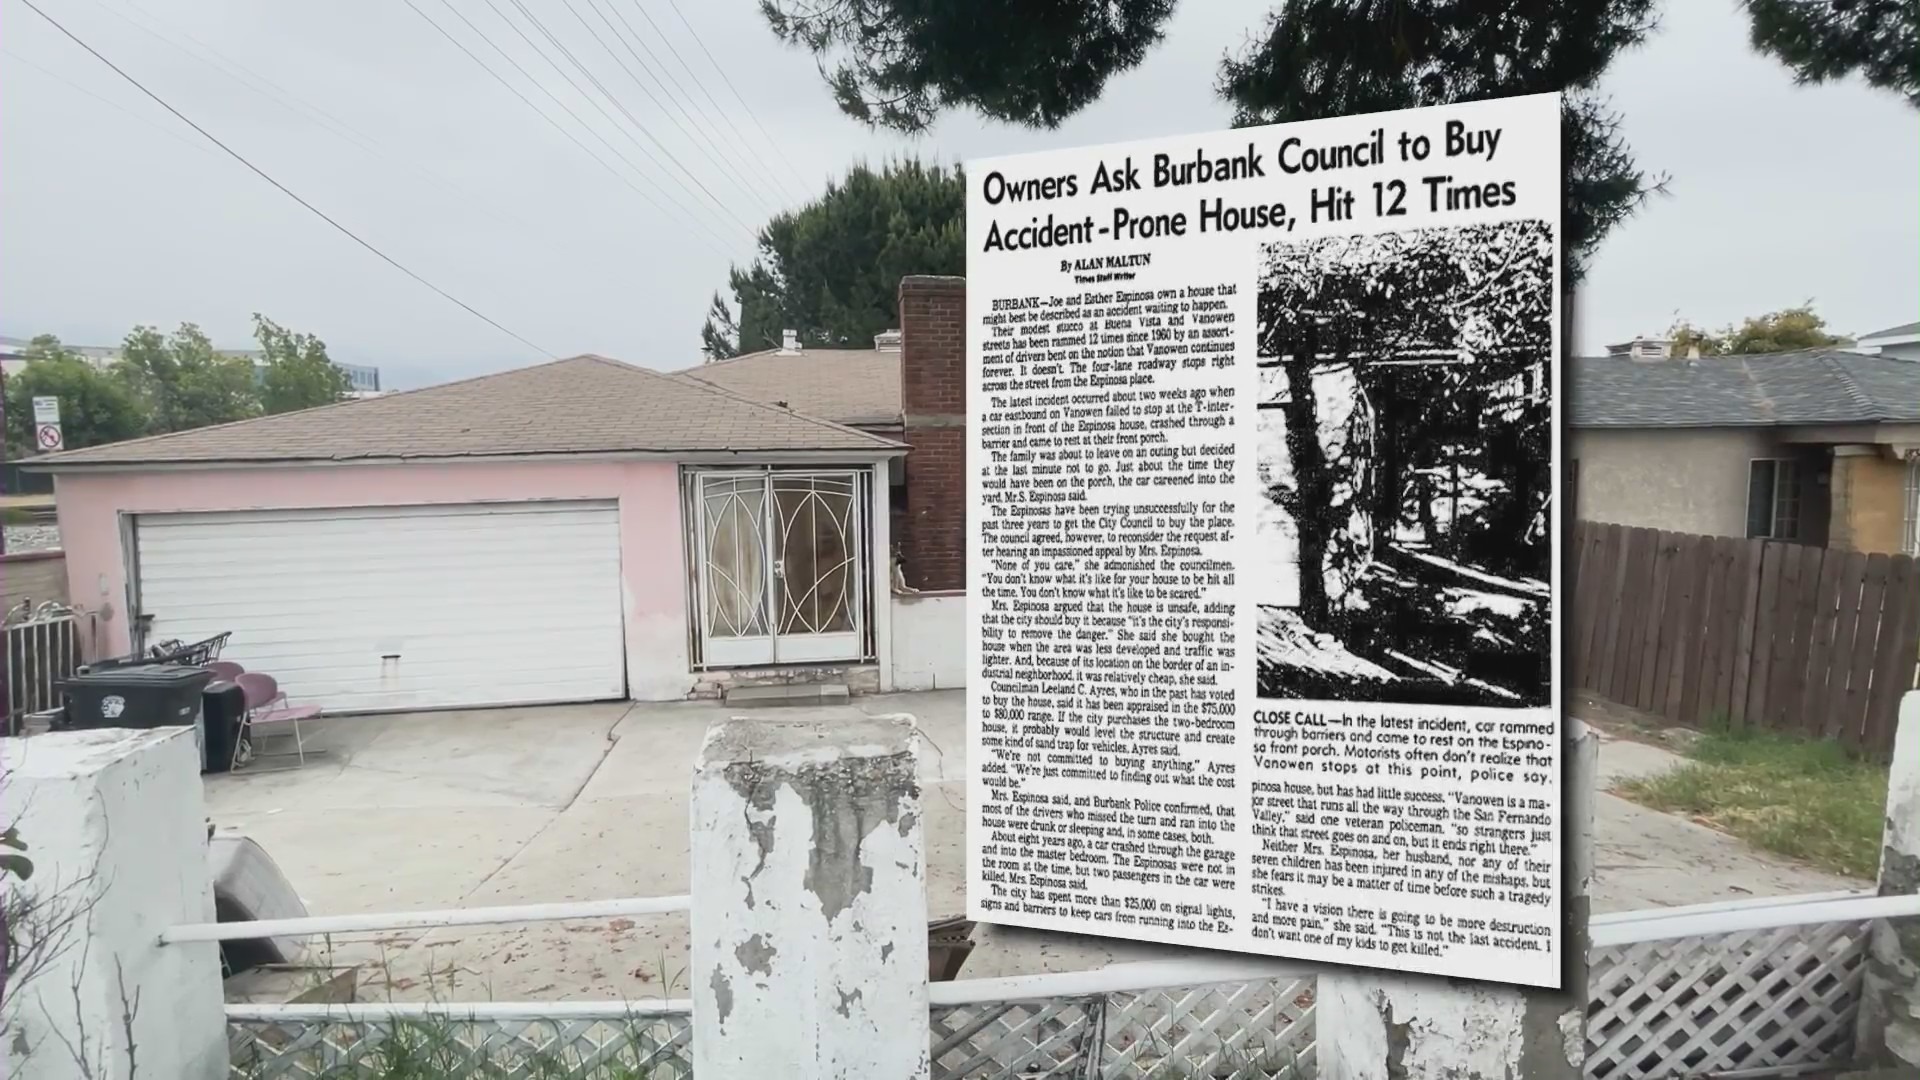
[[1263, 575]]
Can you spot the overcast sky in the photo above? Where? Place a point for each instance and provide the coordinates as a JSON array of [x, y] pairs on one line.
[[113, 212]]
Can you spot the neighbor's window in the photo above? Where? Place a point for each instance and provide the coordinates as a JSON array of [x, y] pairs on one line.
[[1773, 498], [1910, 537]]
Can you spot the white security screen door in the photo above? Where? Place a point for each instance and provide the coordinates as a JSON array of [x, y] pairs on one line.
[[779, 567]]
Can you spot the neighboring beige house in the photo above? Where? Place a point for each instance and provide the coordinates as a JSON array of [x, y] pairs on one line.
[[1821, 446]]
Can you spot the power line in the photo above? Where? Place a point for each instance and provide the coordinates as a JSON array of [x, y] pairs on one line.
[[559, 45], [708, 94], [740, 175], [679, 208], [112, 104], [288, 192], [722, 72], [313, 114]]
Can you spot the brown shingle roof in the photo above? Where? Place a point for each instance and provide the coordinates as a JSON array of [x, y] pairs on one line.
[[852, 386], [582, 405]]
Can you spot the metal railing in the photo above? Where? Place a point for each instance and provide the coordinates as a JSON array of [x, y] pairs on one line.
[[42, 650]]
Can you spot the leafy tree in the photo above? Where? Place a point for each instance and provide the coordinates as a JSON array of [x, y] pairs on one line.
[[897, 63], [831, 269], [184, 382], [95, 407], [1321, 58], [1777, 331], [1820, 41], [1685, 337], [1035, 63], [297, 373]]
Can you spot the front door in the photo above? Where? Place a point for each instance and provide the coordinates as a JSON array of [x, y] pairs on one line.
[[779, 558]]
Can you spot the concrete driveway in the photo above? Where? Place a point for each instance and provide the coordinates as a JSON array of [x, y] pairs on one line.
[[589, 802]]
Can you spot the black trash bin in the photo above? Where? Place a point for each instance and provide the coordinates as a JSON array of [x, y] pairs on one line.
[[222, 706], [140, 696]]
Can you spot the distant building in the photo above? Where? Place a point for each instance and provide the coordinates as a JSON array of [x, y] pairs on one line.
[[362, 380], [1642, 348], [1899, 342]]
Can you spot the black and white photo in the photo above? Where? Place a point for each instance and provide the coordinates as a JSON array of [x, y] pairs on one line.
[[1405, 436]]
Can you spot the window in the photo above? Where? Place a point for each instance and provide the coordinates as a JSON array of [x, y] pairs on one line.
[[1910, 534], [1773, 498]]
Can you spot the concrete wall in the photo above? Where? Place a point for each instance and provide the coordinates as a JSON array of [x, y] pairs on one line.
[[32, 576], [929, 640], [92, 507], [1691, 480], [1869, 501], [116, 826]]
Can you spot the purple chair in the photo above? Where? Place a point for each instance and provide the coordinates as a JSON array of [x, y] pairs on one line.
[[267, 707], [225, 670]]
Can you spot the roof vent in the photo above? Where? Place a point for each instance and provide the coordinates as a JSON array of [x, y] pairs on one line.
[[789, 342], [887, 341]]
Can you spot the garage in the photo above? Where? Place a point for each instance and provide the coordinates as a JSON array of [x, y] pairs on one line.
[[378, 608]]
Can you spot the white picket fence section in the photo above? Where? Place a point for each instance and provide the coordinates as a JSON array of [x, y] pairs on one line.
[[1754, 988]]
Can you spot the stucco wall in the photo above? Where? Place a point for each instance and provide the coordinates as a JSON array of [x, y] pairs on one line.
[[91, 508], [929, 641], [1692, 480]]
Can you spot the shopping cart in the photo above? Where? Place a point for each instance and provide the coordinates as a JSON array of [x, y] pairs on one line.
[[198, 654]]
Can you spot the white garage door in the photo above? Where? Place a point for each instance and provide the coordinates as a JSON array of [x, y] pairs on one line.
[[399, 607]]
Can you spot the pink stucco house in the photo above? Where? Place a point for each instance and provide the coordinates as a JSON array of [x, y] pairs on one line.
[[578, 530]]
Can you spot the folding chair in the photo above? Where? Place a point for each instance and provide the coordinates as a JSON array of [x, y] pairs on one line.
[[268, 707]]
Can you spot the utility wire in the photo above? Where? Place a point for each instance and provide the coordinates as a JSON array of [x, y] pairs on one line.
[[731, 167], [112, 104], [722, 72], [678, 208], [333, 125], [561, 46], [725, 117], [288, 192]]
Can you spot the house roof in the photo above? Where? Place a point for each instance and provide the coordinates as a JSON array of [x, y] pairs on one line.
[[582, 405], [852, 386], [1903, 330], [1812, 386]]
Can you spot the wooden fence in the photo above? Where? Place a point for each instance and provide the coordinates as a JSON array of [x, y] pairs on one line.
[[1752, 633]]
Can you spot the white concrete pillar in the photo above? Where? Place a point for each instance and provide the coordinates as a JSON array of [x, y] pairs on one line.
[[1889, 1027], [1371, 1025], [116, 827], [809, 902]]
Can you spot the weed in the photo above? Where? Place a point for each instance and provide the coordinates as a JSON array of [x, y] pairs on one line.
[[1807, 799]]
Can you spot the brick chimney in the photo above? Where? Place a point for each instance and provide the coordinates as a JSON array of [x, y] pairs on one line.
[[933, 406]]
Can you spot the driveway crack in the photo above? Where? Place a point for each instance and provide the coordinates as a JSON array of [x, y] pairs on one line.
[[606, 751]]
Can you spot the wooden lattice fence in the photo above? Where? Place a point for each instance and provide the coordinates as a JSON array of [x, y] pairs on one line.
[[1706, 630]]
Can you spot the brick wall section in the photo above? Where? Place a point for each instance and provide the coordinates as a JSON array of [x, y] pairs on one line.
[[933, 401]]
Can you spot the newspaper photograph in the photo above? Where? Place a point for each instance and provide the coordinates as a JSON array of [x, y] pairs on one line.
[[1263, 556]]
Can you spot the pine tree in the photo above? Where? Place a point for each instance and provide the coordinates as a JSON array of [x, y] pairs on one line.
[[1830, 39], [831, 269]]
